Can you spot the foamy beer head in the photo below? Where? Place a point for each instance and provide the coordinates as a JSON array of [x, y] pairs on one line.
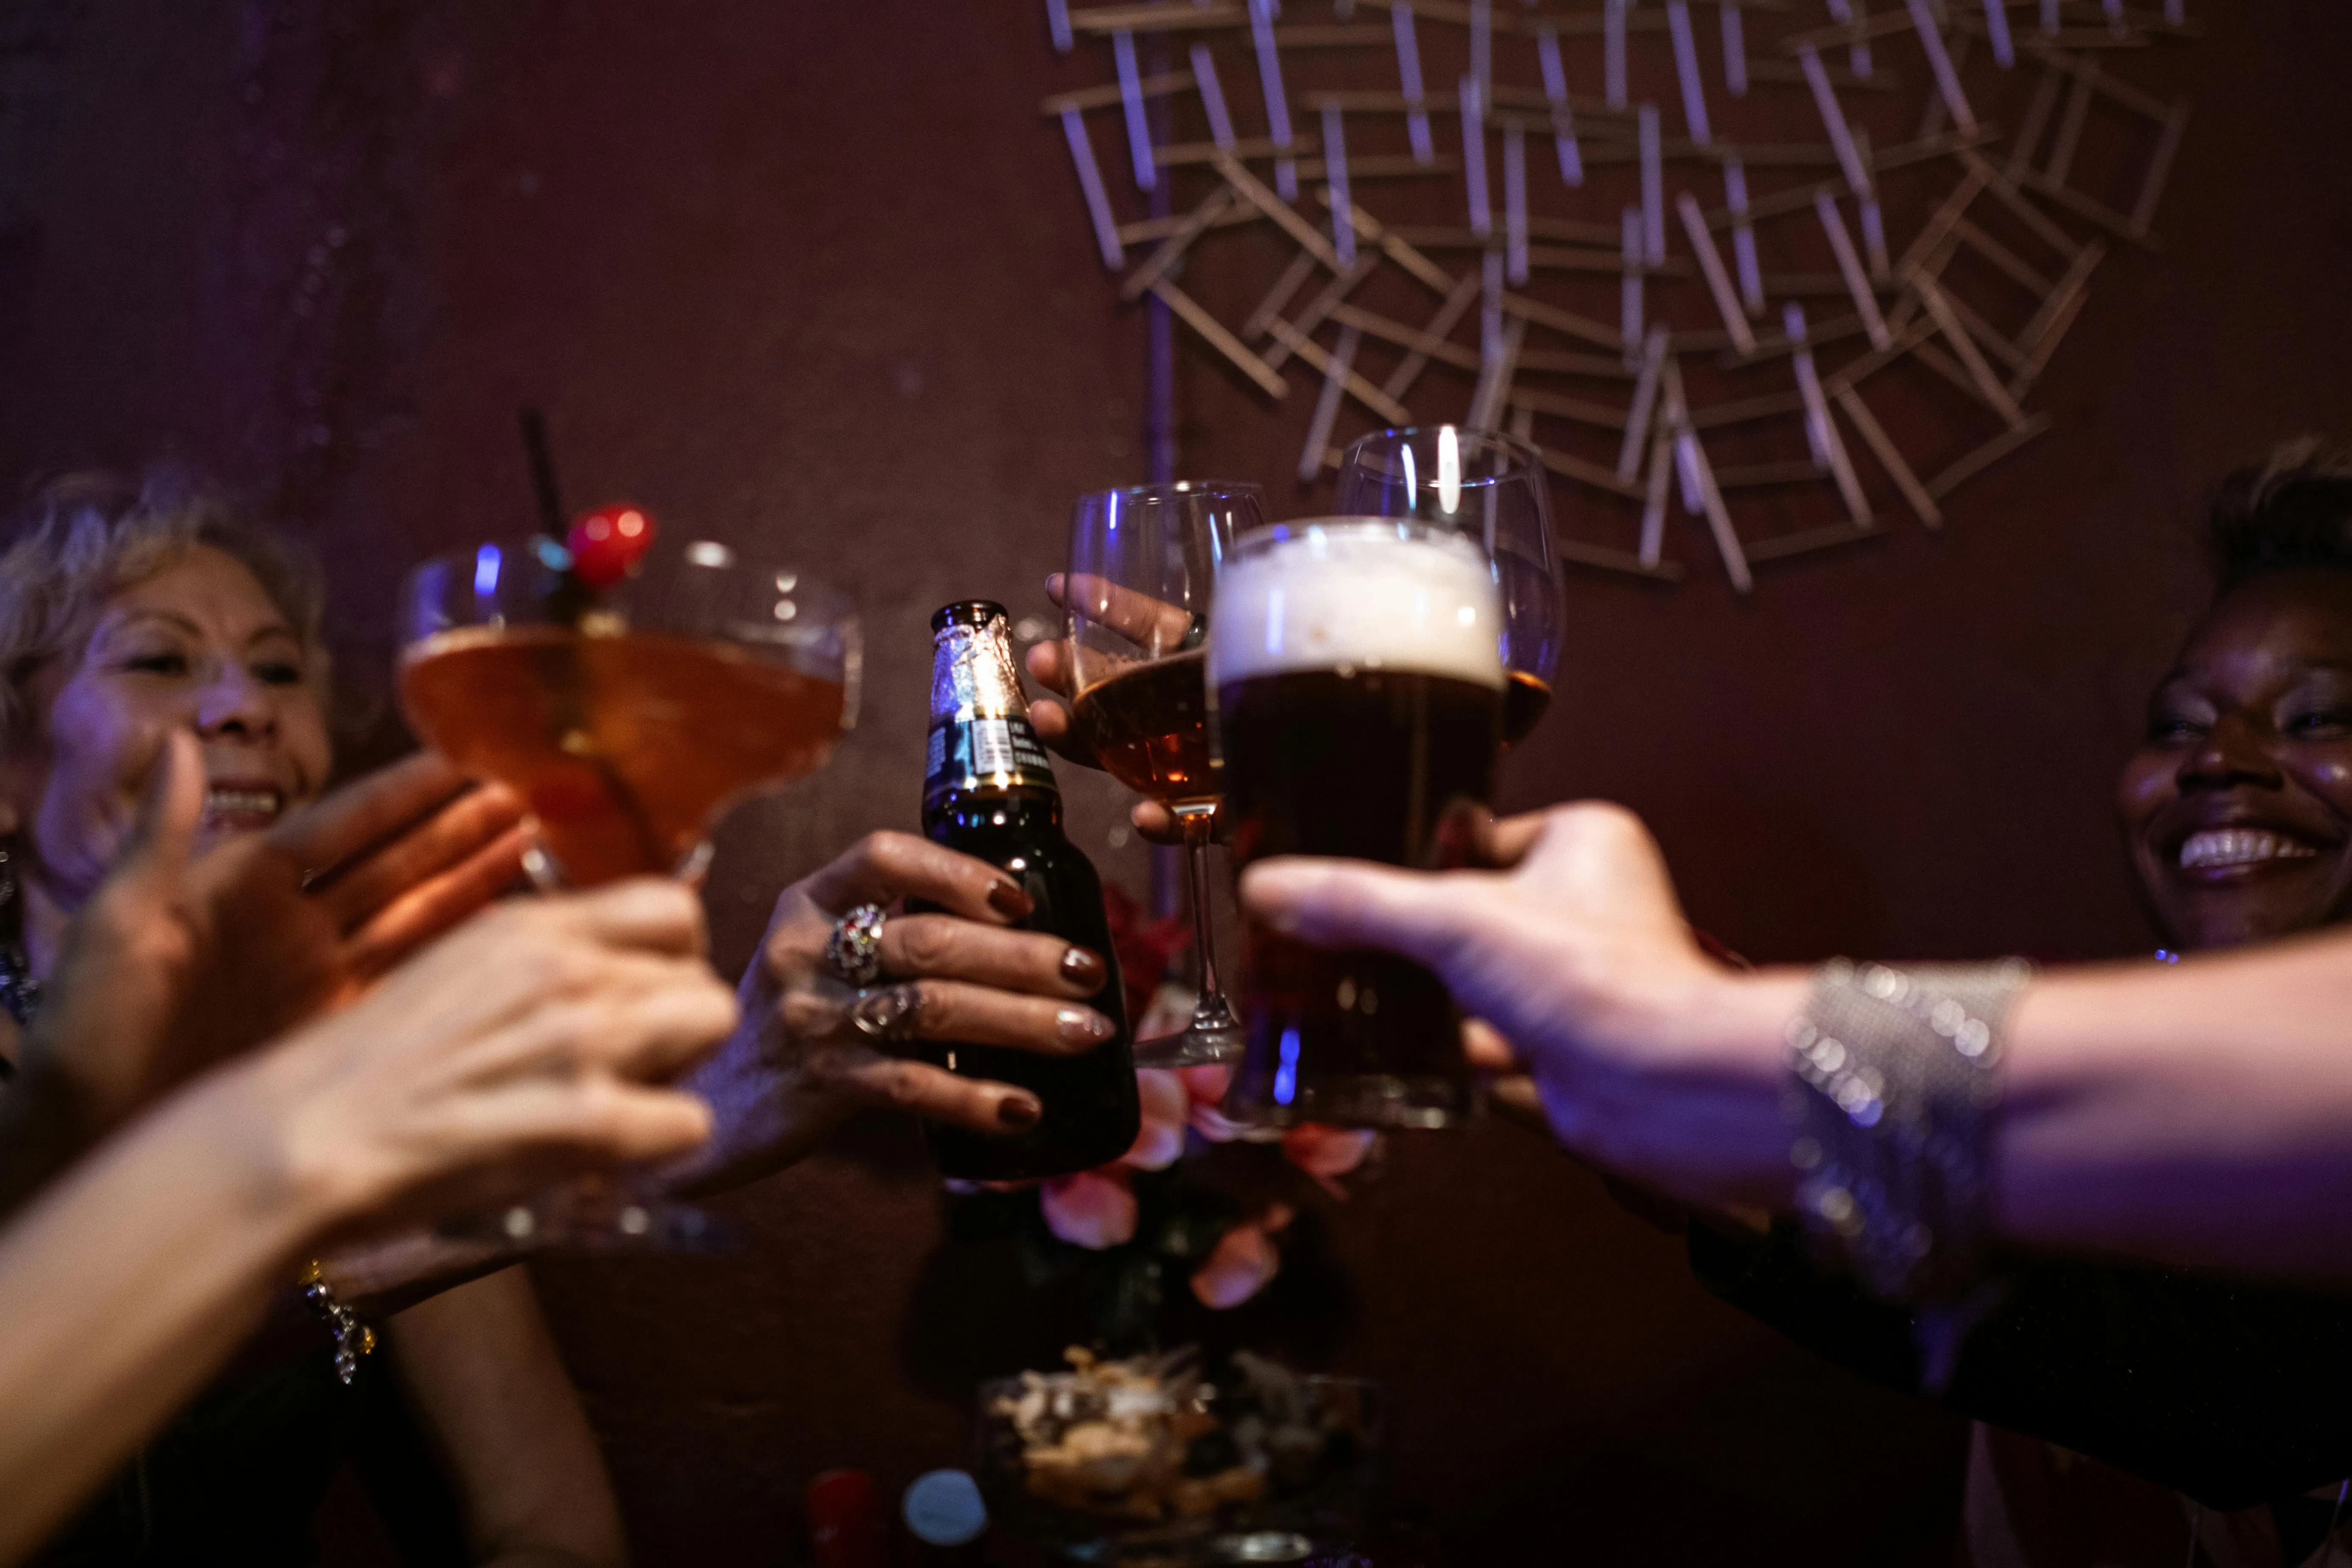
[[1359, 697], [1357, 594]]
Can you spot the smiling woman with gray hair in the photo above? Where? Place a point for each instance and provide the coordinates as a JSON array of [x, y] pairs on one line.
[[122, 604], [134, 617], [129, 612]]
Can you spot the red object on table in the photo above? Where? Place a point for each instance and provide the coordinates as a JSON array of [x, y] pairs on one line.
[[606, 543], [845, 1524]]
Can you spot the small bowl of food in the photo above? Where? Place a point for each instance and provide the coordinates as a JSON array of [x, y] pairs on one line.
[[1152, 1460]]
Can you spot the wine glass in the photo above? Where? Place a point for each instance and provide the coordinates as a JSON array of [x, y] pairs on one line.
[[1488, 484], [628, 719], [1143, 565]]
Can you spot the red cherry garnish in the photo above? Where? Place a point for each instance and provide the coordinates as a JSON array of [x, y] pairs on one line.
[[606, 543]]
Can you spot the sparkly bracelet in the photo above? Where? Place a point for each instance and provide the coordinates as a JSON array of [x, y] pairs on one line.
[[353, 1337], [1893, 1089]]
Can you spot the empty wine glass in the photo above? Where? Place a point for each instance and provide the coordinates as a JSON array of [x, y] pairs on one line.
[[1492, 487]]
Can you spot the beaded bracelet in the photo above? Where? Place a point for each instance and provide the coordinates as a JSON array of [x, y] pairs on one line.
[[354, 1336], [1894, 1089]]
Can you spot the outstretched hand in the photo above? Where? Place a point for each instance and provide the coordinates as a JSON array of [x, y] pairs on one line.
[[537, 1045], [176, 963], [1578, 957]]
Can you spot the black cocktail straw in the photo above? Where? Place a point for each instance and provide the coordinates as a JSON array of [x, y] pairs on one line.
[[561, 670], [542, 472]]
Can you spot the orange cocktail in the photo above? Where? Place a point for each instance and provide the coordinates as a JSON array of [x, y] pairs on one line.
[[625, 745], [630, 706]]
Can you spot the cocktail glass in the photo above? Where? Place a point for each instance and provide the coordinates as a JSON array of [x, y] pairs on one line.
[[628, 720]]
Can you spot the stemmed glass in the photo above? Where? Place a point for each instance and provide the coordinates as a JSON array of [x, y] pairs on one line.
[[1143, 567], [628, 719], [1488, 484]]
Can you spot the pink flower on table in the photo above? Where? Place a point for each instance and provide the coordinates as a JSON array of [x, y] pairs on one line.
[[1161, 1138], [1327, 1154], [1205, 1086], [1097, 1208], [1242, 1261], [1091, 1209]]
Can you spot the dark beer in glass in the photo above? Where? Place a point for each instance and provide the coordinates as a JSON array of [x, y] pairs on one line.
[[1358, 691]]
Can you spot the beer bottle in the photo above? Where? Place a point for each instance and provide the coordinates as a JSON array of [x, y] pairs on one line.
[[989, 791]]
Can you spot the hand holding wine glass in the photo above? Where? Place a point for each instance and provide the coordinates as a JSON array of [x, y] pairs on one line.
[[536, 1042], [1143, 572], [1050, 665]]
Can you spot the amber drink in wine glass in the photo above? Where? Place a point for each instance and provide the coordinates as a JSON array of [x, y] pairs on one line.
[[1143, 569]]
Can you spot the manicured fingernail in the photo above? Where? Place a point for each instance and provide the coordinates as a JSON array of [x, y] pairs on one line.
[[1082, 967], [1007, 900], [1082, 1025], [1018, 1111]]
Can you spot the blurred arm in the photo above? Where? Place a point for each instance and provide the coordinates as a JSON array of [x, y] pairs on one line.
[[124, 1286], [486, 1377]]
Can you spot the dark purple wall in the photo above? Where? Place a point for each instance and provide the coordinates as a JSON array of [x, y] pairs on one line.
[[817, 274]]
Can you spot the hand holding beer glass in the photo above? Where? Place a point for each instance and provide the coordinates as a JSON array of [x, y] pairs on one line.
[[1358, 684], [1496, 489], [1143, 569]]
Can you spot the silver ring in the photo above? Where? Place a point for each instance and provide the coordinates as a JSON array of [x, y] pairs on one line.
[[888, 1013], [854, 951]]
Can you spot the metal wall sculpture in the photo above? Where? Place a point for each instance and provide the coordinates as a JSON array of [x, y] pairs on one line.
[[1704, 298]]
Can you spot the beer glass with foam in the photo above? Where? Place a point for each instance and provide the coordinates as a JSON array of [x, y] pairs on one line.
[[1358, 688]]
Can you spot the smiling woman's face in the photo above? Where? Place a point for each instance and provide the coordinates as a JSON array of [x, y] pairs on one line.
[[197, 645], [2238, 802]]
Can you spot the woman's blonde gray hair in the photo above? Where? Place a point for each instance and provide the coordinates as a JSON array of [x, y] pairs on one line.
[[88, 536]]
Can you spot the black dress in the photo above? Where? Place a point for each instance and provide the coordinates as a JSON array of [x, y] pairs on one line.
[[239, 1475], [239, 1472], [2233, 1393]]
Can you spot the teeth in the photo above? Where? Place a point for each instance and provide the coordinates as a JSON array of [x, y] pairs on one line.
[[241, 802], [2239, 847]]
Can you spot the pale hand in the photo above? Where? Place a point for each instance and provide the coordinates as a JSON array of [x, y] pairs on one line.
[[1642, 1049], [174, 965], [529, 1047]]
